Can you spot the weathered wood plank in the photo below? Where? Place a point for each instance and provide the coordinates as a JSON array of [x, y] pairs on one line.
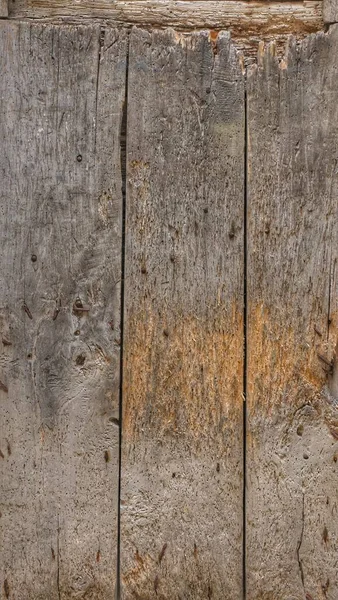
[[292, 487], [61, 96], [181, 527], [245, 19], [330, 11]]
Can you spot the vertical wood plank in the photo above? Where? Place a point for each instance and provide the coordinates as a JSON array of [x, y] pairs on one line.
[[292, 528], [61, 97], [181, 526]]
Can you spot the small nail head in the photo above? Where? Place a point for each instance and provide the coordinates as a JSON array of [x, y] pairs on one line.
[[34, 258], [79, 158]]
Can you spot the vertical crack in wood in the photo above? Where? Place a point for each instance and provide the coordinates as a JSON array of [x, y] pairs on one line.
[[58, 559], [300, 541], [329, 300], [123, 166], [101, 44], [245, 324]]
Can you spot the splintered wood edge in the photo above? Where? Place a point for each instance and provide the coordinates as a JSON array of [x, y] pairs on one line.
[[243, 18]]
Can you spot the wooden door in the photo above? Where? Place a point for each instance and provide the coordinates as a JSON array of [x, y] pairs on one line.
[[168, 301]]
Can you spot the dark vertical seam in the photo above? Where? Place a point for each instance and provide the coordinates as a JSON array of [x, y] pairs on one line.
[[245, 326], [123, 164]]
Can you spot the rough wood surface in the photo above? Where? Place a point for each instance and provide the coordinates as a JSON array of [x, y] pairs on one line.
[[292, 484], [244, 18], [61, 96], [330, 11], [3, 8], [181, 528]]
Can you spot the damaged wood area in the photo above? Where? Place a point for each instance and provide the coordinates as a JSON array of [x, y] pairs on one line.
[[247, 21]]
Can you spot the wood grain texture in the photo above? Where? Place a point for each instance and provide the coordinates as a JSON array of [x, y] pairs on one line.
[[181, 527], [244, 18], [292, 484], [61, 92], [330, 11], [3, 8]]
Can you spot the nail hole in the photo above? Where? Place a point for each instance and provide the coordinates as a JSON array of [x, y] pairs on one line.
[[80, 360], [79, 158]]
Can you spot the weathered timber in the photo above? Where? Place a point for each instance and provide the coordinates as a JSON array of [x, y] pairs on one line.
[[3, 8], [330, 11], [292, 426], [244, 18], [61, 96], [181, 523]]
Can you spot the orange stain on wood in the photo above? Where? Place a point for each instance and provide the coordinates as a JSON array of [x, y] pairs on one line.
[[183, 376]]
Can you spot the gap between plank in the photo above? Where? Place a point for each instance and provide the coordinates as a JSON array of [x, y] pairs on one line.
[[245, 325], [123, 163]]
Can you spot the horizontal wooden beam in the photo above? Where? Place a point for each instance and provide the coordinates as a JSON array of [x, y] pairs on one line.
[[244, 18]]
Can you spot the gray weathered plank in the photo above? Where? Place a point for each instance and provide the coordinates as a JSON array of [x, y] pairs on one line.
[[181, 526], [292, 484], [330, 11], [61, 96]]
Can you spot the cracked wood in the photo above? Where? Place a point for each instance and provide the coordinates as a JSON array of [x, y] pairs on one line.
[[61, 91], [292, 414], [181, 522], [244, 18]]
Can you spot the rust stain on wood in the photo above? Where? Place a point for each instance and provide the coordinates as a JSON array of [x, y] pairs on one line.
[[188, 389]]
